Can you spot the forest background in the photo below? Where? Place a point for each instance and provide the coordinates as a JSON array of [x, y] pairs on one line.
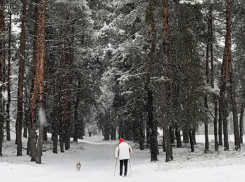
[[123, 68]]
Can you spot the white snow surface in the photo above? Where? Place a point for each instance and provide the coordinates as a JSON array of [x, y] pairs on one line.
[[98, 164]]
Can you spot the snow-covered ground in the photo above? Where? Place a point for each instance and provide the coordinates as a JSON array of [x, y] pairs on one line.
[[98, 164]]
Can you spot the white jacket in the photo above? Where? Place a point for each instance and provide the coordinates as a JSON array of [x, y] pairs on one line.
[[123, 151]]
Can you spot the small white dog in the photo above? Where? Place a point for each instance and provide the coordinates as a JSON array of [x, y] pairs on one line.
[[78, 166]]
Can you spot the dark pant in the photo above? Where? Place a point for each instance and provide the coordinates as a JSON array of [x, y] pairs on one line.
[[125, 163]]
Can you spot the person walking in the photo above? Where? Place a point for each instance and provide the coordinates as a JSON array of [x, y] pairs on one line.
[[123, 151]]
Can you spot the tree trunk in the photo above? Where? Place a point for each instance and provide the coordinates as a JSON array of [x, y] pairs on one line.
[[206, 139], [167, 91], [206, 128], [66, 117], [191, 133], [225, 72], [45, 133], [2, 86], [75, 137], [55, 127], [34, 88], [241, 118], [76, 112], [107, 127], [225, 128], [220, 124], [69, 81], [1, 132], [61, 139], [211, 45], [8, 80], [209, 39], [41, 51], [229, 69], [25, 123], [172, 135], [185, 134], [212, 79], [55, 136], [21, 81], [57, 111], [113, 133], [67, 108], [194, 136], [1, 62], [241, 122], [63, 62], [166, 133], [81, 129], [152, 131], [68, 61], [26, 114], [234, 110], [178, 136], [61, 128], [215, 124], [141, 133]]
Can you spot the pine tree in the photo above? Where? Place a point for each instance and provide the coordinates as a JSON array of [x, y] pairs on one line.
[[167, 92], [1, 91], [41, 61], [225, 72], [187, 70], [152, 126], [21, 81]]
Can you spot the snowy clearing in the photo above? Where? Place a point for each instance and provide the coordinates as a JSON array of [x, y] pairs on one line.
[[98, 164]]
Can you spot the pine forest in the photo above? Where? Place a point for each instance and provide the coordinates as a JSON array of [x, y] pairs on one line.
[[154, 72]]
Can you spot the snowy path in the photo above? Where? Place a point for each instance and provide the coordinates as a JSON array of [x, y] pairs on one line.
[[98, 164]]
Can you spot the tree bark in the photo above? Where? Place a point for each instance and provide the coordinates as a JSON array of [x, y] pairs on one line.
[[241, 120], [178, 136], [61, 122], [76, 112], [41, 60], [20, 81], [191, 134], [141, 132], [8, 80], [215, 124], [224, 117], [207, 80], [152, 131], [26, 114], [225, 72], [206, 127], [68, 59], [212, 79], [34, 88], [167, 91], [152, 128], [220, 129], [166, 133], [1, 62], [58, 123], [234, 111], [56, 114], [185, 134], [68, 78]]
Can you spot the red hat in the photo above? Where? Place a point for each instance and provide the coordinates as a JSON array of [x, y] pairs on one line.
[[121, 140]]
